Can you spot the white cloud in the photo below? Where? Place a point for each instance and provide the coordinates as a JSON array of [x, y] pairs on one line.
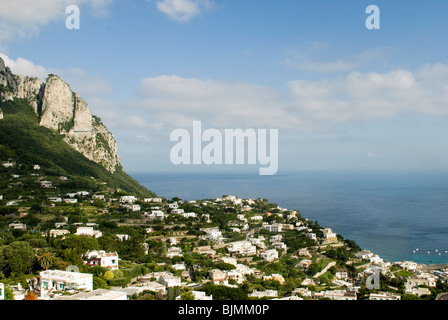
[[25, 67], [176, 101], [369, 96], [80, 81], [183, 10], [25, 18], [302, 106]]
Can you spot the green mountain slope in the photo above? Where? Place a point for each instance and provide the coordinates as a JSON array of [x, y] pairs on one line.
[[27, 143]]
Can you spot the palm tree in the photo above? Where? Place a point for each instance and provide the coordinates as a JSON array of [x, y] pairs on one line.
[[45, 260]]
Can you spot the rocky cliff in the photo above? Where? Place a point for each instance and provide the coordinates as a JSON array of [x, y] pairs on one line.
[[61, 109]]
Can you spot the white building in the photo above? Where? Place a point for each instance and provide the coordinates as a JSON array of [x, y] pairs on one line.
[[425, 280], [207, 250], [155, 215], [280, 246], [46, 184], [408, 265], [8, 164], [173, 205], [212, 233], [305, 263], [275, 227], [128, 199], [201, 295], [304, 252], [58, 232], [174, 251], [329, 236], [276, 238], [269, 255], [122, 237], [304, 292], [101, 258], [276, 277], [217, 275], [258, 242], [384, 296], [336, 295], [17, 226], [57, 280], [98, 294], [147, 200], [235, 275], [241, 217], [188, 215], [98, 197], [153, 286], [179, 266], [262, 294], [242, 247], [168, 280], [88, 231], [418, 291], [312, 236], [244, 270], [364, 254]]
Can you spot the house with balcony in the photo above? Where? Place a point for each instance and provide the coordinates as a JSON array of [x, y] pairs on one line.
[[101, 258]]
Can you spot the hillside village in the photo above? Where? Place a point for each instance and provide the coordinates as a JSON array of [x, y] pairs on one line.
[[60, 241]]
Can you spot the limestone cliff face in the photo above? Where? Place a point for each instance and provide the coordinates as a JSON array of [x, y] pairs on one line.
[[60, 109]]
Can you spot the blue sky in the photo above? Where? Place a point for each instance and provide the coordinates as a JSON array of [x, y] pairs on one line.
[[341, 96]]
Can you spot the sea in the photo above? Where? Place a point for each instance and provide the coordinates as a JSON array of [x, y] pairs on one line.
[[396, 214]]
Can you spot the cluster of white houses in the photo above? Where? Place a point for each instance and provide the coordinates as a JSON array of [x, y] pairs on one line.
[[55, 284]]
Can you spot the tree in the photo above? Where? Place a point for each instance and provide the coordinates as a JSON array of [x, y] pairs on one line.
[[108, 275], [187, 294], [17, 258], [99, 283], [45, 259], [172, 293], [9, 295]]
